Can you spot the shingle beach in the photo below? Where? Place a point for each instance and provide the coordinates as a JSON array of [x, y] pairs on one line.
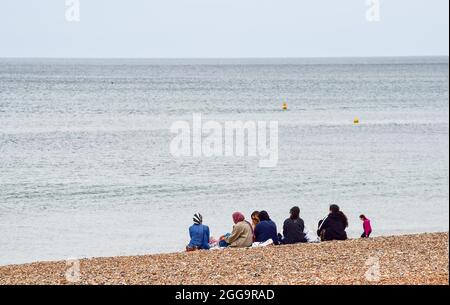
[[406, 259]]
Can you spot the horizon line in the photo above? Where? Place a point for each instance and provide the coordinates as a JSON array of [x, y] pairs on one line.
[[232, 57]]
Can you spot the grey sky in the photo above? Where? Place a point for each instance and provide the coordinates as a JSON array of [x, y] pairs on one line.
[[223, 28]]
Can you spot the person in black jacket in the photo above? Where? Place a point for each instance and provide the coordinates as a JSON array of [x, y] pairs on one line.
[[293, 228], [333, 226]]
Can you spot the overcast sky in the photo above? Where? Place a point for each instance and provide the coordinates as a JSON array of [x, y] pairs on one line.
[[223, 28]]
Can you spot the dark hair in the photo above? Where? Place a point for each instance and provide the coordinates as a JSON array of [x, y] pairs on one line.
[[255, 213], [334, 208], [362, 216], [263, 215], [295, 212]]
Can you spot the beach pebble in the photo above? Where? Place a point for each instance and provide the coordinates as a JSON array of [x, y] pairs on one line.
[[407, 259]]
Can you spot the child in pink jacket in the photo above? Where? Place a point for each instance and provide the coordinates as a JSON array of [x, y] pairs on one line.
[[366, 226]]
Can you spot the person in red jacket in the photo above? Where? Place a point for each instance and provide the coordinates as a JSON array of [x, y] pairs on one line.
[[366, 226]]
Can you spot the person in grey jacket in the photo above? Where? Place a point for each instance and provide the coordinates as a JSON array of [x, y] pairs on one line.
[[293, 228]]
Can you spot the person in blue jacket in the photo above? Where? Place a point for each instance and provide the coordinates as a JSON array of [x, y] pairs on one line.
[[266, 229], [199, 234]]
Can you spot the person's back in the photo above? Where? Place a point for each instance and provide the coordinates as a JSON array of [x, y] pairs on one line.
[[266, 230], [293, 231], [293, 228], [242, 235], [199, 234], [333, 228]]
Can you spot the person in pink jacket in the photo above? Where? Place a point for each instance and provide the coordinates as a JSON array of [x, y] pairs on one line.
[[366, 226]]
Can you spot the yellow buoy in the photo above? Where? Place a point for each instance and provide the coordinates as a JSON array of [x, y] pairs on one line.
[[285, 107], [356, 121]]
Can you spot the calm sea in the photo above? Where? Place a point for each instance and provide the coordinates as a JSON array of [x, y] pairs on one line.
[[85, 166]]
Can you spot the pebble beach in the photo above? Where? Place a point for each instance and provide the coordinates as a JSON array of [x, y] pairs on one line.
[[406, 259]]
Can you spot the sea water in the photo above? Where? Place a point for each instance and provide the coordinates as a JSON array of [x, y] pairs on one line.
[[86, 168]]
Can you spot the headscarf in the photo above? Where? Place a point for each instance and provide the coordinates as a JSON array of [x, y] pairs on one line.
[[198, 219], [238, 217]]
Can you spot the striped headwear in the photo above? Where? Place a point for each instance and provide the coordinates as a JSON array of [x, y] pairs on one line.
[[198, 219]]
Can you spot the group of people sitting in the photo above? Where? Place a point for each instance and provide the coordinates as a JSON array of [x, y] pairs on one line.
[[262, 229]]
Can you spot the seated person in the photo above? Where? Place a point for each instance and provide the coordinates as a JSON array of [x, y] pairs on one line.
[[266, 229], [333, 226], [242, 234], [199, 234], [255, 219], [293, 228]]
